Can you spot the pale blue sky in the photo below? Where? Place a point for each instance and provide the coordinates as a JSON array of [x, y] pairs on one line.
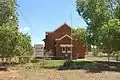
[[38, 16]]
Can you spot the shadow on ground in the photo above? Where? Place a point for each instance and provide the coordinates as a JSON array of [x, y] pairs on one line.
[[89, 66], [4, 65]]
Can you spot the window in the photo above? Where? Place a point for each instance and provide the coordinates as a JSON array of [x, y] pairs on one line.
[[66, 49], [41, 48], [69, 49], [63, 49]]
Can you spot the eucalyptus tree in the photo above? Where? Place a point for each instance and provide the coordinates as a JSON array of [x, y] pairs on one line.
[[96, 13]]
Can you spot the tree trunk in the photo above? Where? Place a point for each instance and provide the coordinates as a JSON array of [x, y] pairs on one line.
[[108, 57], [10, 59], [117, 56]]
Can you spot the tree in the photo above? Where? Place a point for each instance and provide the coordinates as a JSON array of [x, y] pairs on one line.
[[12, 42], [109, 36], [117, 12], [79, 35], [8, 41], [8, 13], [23, 48], [96, 13]]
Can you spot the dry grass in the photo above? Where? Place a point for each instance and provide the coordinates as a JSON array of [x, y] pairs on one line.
[[37, 73], [52, 74], [5, 75]]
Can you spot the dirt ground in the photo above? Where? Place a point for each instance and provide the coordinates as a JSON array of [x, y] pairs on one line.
[[5, 75], [29, 72], [52, 74], [73, 75]]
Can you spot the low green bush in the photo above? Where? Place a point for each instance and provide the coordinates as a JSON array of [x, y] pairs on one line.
[[100, 54], [74, 64]]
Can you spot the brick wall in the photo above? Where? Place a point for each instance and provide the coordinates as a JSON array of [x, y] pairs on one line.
[[66, 40], [52, 44], [78, 51]]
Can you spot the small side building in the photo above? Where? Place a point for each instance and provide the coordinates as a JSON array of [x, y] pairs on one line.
[[38, 50]]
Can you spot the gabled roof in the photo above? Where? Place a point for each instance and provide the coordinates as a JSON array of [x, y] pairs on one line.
[[66, 35], [64, 25]]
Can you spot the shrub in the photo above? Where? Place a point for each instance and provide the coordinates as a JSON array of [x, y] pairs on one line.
[[99, 54], [74, 65]]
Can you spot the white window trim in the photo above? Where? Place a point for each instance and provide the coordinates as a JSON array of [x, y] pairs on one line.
[[69, 51], [66, 50], [66, 45], [63, 51]]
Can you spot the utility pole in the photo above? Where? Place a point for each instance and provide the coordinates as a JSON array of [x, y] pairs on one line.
[[86, 44], [71, 37]]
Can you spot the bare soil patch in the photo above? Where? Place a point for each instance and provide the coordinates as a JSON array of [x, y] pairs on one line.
[[52, 74], [5, 75]]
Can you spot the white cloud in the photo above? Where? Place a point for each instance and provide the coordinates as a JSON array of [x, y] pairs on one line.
[[25, 30]]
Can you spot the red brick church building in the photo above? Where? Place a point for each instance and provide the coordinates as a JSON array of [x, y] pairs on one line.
[[61, 45]]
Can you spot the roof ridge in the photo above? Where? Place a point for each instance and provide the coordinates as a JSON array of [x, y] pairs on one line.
[[61, 26]]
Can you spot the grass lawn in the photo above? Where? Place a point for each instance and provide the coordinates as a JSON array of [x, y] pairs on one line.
[[85, 70], [53, 63]]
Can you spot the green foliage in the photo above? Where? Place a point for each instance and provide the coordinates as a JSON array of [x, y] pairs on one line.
[[96, 13], [12, 42], [109, 35], [74, 64], [8, 14], [103, 19], [117, 12], [79, 35], [24, 45], [7, 40], [100, 54]]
